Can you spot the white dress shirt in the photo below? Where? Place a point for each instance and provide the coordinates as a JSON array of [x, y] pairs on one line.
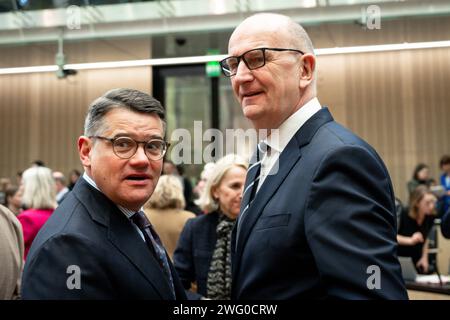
[[278, 141]]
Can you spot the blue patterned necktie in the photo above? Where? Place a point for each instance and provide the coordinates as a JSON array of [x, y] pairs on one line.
[[253, 175], [154, 243]]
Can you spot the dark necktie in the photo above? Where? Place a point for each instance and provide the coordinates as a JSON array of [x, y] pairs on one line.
[[251, 185], [154, 243]]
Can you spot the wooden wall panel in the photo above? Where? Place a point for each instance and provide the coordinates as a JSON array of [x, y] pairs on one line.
[[397, 101]]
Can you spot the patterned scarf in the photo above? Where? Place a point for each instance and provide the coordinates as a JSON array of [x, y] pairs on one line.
[[219, 276]]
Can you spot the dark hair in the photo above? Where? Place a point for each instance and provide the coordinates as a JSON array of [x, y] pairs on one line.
[[10, 192], [444, 160], [130, 99], [38, 163], [418, 168]]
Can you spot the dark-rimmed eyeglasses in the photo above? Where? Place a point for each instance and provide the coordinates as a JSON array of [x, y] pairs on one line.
[[253, 59], [126, 147]]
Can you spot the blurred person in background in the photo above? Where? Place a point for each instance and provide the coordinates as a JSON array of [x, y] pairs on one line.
[[204, 176], [421, 176], [165, 211], [444, 164], [11, 255], [38, 163], [14, 199], [203, 254], [4, 184], [74, 175], [188, 193], [445, 224], [38, 201], [169, 168], [60, 184], [416, 221], [19, 178]]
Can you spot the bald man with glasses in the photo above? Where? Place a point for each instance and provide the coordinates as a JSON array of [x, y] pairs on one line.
[[317, 217], [98, 244]]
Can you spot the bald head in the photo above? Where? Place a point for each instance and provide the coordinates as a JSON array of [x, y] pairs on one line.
[[289, 33], [278, 74]]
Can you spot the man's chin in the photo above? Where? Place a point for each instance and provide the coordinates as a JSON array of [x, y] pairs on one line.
[[252, 112]]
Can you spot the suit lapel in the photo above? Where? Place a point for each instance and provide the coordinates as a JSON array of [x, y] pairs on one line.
[[122, 234], [288, 158], [126, 239]]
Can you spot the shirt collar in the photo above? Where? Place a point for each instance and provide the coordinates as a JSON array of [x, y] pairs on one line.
[[127, 212], [292, 124]]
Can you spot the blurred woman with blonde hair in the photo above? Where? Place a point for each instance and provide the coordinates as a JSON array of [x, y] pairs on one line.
[[165, 211], [203, 254], [39, 200]]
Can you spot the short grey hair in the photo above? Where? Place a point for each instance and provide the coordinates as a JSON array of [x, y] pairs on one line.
[[206, 200], [130, 99], [39, 190]]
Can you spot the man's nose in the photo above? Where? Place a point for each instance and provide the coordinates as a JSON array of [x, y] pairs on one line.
[[140, 156], [243, 73]]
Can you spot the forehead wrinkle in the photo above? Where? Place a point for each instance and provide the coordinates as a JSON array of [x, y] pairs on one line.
[[248, 39], [124, 127]]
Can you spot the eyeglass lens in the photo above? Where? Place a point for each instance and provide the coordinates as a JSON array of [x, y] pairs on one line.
[[126, 147]]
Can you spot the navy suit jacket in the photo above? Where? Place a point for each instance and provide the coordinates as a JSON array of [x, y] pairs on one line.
[[88, 231], [192, 257], [320, 225]]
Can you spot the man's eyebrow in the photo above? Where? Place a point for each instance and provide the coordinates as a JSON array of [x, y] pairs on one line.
[[121, 134], [156, 136], [125, 134]]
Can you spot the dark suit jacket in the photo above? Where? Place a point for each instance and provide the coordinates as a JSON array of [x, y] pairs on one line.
[[89, 231], [315, 228], [192, 257]]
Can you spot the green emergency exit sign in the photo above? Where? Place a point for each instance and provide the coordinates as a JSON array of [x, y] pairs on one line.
[[213, 67]]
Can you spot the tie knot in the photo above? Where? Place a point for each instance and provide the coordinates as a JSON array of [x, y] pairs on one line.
[[262, 147], [140, 220]]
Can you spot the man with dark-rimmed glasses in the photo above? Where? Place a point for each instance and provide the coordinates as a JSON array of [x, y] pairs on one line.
[[98, 244], [317, 215]]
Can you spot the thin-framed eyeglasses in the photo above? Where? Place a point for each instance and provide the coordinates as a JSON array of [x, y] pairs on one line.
[[253, 59], [126, 147]]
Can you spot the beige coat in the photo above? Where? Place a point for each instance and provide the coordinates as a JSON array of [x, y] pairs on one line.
[[168, 224], [11, 254]]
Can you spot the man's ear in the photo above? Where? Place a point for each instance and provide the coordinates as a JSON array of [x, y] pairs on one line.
[[84, 150], [307, 70]]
